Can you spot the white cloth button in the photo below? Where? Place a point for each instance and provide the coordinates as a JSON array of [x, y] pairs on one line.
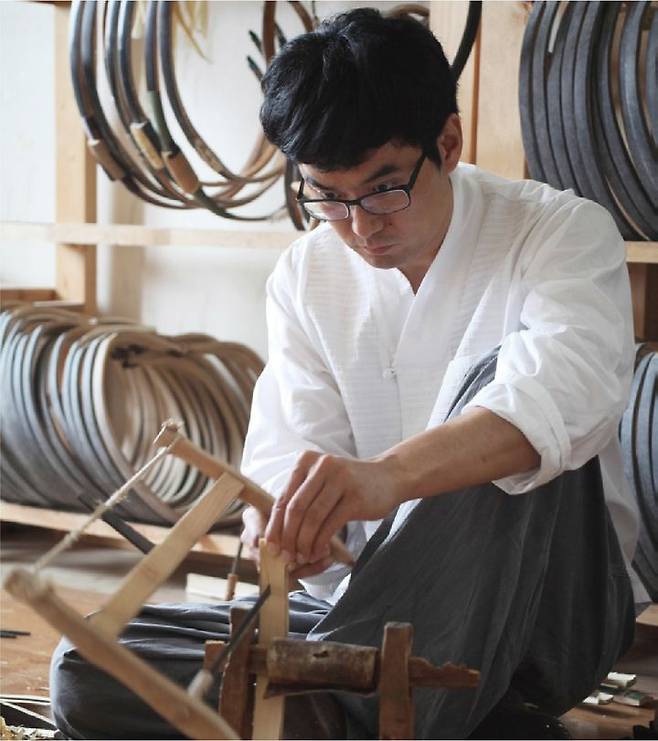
[[388, 373]]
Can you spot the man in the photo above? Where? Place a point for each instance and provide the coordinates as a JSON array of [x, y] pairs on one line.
[[449, 357], [420, 268]]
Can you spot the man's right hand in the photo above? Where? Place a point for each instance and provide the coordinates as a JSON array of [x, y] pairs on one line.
[[254, 529]]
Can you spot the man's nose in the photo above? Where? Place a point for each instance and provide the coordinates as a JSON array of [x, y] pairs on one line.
[[364, 224]]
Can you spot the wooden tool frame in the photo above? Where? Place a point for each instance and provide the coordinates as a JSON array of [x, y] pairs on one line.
[[392, 672], [293, 666], [95, 638]]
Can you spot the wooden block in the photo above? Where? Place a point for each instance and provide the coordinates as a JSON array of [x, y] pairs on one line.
[[447, 21], [396, 708], [236, 695], [157, 565], [499, 143], [268, 712], [642, 252], [192, 717]]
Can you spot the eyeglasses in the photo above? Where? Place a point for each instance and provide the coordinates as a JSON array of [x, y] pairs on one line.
[[381, 202]]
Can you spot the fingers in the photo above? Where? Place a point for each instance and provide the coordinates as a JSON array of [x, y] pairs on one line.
[[311, 569], [314, 515], [310, 510], [276, 523], [311, 492], [332, 524]]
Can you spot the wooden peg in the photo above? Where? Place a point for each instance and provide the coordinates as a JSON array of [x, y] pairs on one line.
[[233, 577], [396, 708]]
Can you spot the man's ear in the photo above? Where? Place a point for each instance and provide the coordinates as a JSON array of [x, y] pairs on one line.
[[450, 142]]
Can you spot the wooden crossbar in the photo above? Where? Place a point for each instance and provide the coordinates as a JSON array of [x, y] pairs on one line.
[[159, 563], [191, 716]]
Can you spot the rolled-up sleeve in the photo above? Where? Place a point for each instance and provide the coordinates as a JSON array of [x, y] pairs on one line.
[[296, 406], [564, 377]]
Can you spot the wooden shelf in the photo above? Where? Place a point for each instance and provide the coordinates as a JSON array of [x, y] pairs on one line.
[[221, 546], [642, 252], [130, 235]]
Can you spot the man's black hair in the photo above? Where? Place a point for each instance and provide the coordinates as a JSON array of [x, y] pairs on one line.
[[357, 82]]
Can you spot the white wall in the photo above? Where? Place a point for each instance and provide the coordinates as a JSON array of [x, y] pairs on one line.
[[176, 289]]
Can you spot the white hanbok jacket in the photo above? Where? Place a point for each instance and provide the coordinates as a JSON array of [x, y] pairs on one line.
[[357, 362]]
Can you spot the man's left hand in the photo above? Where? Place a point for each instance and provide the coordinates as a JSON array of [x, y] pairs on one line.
[[324, 493]]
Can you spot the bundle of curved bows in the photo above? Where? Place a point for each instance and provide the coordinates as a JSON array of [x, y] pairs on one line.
[[130, 135], [588, 95], [639, 440], [82, 400]]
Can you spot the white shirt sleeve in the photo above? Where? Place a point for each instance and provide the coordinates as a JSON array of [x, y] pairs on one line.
[[564, 377], [296, 406]]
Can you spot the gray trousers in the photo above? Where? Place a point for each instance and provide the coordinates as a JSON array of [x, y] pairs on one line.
[[530, 589]]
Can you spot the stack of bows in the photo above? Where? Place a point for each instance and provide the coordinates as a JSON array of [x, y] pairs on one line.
[[588, 95], [83, 399], [639, 439]]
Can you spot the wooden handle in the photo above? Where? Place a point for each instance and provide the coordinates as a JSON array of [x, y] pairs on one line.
[[212, 467], [105, 159], [146, 145], [182, 172], [231, 583]]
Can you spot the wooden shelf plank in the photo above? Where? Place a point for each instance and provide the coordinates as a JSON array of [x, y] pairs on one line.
[[27, 294], [133, 235], [222, 545], [646, 252]]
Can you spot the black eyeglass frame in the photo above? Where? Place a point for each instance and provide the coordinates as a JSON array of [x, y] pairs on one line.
[[358, 201]]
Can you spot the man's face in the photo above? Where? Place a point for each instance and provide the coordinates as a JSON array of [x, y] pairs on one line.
[[409, 239]]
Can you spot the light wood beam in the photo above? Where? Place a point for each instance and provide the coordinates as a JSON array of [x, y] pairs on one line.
[[192, 717], [499, 142], [447, 21], [268, 711], [75, 179], [159, 563]]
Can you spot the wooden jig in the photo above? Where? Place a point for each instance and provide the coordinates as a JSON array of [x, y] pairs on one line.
[[256, 677]]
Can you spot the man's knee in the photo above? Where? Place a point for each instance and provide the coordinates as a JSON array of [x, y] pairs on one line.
[[68, 688]]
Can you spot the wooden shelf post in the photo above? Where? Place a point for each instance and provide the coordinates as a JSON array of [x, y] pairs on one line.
[[75, 179], [447, 21]]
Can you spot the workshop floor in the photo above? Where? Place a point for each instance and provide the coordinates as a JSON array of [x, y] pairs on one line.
[[89, 572]]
